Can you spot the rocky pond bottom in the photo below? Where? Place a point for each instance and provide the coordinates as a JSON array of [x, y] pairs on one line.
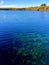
[[24, 49]]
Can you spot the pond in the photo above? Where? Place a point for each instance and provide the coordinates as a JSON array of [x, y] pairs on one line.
[[24, 37]]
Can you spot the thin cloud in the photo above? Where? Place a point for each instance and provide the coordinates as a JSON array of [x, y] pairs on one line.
[[12, 6]]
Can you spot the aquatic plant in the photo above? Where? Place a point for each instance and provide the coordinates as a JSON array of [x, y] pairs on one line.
[[30, 48]]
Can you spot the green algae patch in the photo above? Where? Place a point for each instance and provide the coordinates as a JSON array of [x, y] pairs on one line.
[[31, 48]]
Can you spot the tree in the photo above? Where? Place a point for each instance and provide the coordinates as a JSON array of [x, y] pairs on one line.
[[43, 4]]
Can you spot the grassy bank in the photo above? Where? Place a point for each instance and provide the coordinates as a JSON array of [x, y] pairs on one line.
[[37, 8]]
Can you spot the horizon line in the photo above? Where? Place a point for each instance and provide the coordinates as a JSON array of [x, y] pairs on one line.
[[18, 6]]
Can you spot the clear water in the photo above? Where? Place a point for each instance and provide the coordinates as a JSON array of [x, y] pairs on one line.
[[24, 21], [21, 33]]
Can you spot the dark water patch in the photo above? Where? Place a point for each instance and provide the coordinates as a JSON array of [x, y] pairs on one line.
[[24, 49]]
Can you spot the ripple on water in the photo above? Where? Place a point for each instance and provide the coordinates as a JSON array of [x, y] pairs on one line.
[[26, 47]]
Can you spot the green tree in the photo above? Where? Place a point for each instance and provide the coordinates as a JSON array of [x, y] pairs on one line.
[[43, 4]]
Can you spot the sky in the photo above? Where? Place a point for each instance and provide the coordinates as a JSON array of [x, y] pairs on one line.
[[22, 3]]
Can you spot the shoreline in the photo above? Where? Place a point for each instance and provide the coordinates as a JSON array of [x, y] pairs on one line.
[[37, 8]]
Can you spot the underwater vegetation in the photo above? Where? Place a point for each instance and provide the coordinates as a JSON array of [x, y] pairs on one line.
[[29, 49], [32, 48]]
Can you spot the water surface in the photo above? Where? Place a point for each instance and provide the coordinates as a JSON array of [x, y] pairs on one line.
[[24, 37]]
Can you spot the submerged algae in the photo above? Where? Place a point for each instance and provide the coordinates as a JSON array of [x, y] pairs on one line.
[[31, 48]]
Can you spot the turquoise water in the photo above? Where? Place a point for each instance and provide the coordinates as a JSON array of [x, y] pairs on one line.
[[24, 38]]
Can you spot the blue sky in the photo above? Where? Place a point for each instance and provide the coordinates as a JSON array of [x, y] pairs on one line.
[[22, 3]]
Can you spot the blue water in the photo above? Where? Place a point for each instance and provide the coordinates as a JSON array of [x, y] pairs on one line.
[[24, 21], [19, 27]]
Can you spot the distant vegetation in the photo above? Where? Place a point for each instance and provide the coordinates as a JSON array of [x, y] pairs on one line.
[[43, 4], [42, 7]]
